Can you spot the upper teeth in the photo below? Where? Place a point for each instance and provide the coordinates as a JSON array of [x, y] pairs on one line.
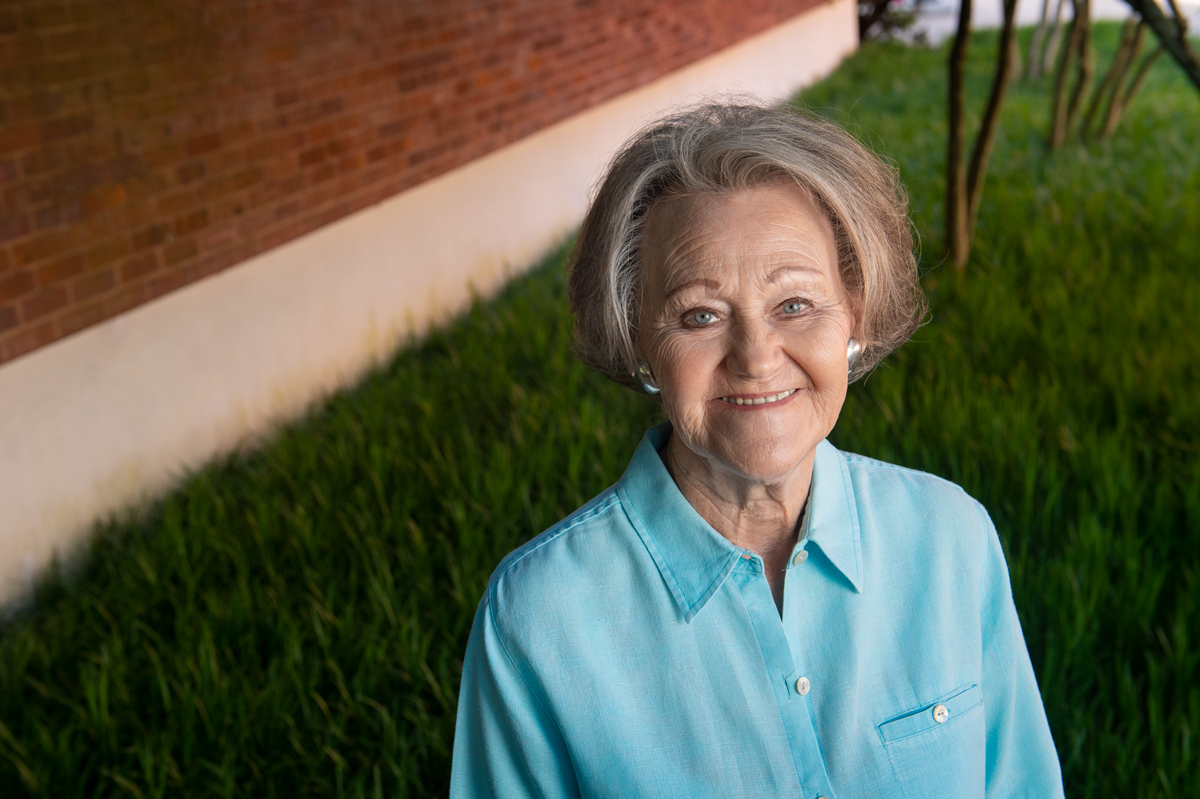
[[760, 400]]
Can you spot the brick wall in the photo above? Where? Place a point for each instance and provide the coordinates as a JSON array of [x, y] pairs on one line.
[[147, 144]]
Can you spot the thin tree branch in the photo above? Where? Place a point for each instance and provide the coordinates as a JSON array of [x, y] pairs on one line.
[[1084, 64], [958, 239], [1058, 110], [985, 141], [1180, 19], [1171, 35], [1121, 101], [1113, 77], [1140, 77], [1052, 46], [1033, 64]]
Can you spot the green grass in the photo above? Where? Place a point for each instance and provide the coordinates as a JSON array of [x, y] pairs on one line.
[[291, 620]]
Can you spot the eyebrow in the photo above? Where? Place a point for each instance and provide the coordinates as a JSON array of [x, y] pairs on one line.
[[774, 276], [714, 285], [687, 284]]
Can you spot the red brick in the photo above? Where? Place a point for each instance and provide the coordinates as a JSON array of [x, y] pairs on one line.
[[278, 55], [27, 339], [202, 144], [13, 226], [138, 267], [8, 317], [17, 139], [179, 251], [44, 302], [122, 152], [106, 253], [60, 270], [79, 318], [191, 172], [168, 283], [91, 285], [14, 286], [40, 247], [126, 300], [103, 199], [151, 236], [190, 222], [66, 127], [174, 204]]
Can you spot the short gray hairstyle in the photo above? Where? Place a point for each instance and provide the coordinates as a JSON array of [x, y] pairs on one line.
[[717, 149]]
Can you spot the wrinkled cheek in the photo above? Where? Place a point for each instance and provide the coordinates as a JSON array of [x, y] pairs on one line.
[[690, 425], [683, 371], [684, 368]]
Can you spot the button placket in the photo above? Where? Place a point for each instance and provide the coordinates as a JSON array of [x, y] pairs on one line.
[[795, 709]]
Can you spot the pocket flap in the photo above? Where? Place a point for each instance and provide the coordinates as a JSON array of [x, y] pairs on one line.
[[936, 714]]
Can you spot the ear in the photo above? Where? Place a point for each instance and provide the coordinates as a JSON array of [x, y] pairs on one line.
[[853, 354], [645, 376]]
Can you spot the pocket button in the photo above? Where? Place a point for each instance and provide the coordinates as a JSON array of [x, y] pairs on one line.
[[940, 714]]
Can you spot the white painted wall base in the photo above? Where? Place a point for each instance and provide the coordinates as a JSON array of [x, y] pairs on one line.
[[107, 418]]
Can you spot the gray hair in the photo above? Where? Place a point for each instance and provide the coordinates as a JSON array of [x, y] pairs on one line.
[[719, 149]]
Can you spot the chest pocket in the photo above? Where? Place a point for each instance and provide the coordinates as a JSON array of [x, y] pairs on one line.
[[939, 750]]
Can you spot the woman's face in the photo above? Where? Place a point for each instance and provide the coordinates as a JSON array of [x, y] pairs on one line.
[[742, 302]]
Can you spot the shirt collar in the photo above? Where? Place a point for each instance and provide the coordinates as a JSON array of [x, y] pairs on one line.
[[831, 518], [693, 558]]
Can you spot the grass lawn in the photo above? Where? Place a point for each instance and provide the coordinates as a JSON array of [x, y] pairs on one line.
[[290, 621]]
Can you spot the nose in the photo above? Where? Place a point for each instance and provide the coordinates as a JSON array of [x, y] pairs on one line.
[[755, 351]]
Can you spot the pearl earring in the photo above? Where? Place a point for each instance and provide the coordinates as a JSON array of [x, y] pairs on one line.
[[853, 351], [646, 378]]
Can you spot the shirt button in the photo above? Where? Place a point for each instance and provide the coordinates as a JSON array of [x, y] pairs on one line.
[[940, 714], [803, 686], [799, 558]]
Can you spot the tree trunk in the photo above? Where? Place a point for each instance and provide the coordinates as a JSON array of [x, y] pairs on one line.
[[878, 9], [958, 237], [1058, 111], [1121, 98], [1084, 61], [1172, 35], [1033, 64], [1048, 58], [1110, 86], [1006, 61]]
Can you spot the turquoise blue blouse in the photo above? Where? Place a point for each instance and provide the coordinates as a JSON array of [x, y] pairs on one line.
[[632, 651]]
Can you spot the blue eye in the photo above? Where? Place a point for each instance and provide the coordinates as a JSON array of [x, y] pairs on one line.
[[702, 318], [793, 307]]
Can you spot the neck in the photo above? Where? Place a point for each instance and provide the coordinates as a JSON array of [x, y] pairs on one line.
[[760, 517]]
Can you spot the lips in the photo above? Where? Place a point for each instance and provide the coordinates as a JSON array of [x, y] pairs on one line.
[[763, 400]]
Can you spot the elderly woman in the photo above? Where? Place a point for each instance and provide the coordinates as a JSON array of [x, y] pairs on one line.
[[749, 612]]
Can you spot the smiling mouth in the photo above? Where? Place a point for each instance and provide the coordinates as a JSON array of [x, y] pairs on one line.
[[767, 400]]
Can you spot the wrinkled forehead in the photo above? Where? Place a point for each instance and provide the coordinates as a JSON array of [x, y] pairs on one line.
[[770, 226]]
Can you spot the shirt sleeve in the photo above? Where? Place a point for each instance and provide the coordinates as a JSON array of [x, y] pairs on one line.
[[505, 742], [1021, 758]]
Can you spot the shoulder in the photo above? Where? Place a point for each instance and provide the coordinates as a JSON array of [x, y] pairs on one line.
[[556, 592], [916, 519], [887, 487], [568, 567], [591, 520]]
